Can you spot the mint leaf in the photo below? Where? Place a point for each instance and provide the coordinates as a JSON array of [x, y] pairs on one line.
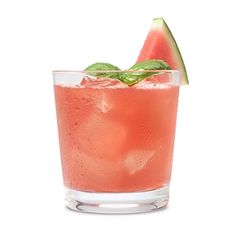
[[139, 73], [101, 66]]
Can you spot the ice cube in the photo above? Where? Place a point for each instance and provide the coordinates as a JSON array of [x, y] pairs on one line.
[[136, 160], [100, 136], [103, 104], [89, 172], [156, 81], [93, 82], [87, 80]]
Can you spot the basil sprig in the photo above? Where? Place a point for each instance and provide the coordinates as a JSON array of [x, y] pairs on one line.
[[135, 74]]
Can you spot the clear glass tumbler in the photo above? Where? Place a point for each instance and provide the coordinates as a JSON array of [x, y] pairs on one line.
[[116, 141]]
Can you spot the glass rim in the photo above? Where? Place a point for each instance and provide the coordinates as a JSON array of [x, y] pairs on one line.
[[74, 77], [112, 71]]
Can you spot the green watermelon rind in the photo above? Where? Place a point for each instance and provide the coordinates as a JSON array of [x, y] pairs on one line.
[[159, 21]]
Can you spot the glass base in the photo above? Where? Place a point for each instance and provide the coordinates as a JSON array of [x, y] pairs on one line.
[[117, 203]]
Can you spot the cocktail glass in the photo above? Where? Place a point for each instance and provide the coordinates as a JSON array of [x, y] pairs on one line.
[[116, 141]]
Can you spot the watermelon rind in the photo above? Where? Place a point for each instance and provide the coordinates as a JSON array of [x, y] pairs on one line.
[[160, 22]]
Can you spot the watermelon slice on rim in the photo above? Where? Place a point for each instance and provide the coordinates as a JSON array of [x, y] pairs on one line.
[[160, 44]]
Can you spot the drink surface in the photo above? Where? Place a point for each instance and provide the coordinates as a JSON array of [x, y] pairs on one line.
[[116, 139]]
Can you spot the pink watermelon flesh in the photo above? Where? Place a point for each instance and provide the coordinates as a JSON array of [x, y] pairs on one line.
[[160, 44]]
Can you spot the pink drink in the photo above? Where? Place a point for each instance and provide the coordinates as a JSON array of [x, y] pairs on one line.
[[116, 139]]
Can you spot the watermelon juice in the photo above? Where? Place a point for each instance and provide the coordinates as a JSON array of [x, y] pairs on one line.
[[114, 138]]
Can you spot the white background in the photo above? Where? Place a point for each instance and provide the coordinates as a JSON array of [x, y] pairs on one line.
[[37, 37]]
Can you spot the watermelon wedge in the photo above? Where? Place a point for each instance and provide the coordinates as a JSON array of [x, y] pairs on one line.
[[160, 44]]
